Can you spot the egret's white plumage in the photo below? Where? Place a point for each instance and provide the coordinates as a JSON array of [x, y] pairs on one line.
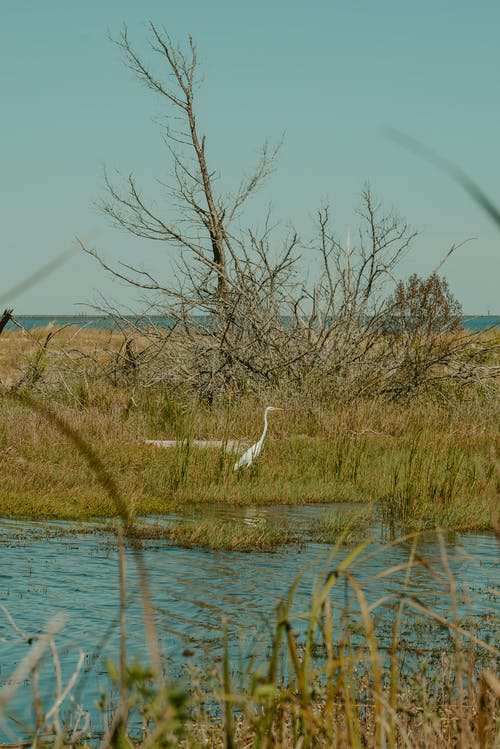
[[253, 452]]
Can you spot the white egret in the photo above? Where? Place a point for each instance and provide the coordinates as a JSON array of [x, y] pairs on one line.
[[253, 452]]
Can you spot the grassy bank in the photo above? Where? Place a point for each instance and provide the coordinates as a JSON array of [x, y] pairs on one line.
[[425, 467], [428, 462]]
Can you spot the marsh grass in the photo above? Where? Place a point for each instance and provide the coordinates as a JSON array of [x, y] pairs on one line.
[[427, 464], [348, 526], [221, 535], [338, 685], [442, 482], [251, 534]]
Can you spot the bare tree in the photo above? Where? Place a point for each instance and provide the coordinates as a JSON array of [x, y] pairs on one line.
[[201, 226], [241, 315], [278, 331]]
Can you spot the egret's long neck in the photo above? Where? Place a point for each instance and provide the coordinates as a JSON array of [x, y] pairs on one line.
[[264, 431]]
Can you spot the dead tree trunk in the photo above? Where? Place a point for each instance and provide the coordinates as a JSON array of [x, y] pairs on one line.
[[7, 315]]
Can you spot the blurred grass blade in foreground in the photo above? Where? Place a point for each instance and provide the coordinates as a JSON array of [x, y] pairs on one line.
[[74, 249], [450, 169]]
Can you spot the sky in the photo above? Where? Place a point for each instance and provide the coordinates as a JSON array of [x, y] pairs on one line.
[[328, 77]]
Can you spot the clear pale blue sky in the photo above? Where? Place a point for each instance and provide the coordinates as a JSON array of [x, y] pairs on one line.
[[329, 75]]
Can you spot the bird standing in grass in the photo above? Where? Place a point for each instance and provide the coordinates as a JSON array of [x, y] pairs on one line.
[[253, 452]]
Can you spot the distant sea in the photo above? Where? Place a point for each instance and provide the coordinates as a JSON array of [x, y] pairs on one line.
[[474, 323]]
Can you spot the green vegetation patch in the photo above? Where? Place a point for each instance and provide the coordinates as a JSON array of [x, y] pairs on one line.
[[345, 526], [220, 535]]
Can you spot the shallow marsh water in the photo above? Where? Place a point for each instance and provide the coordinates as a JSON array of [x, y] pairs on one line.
[[44, 571]]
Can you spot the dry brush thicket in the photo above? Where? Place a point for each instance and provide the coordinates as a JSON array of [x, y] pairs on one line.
[[261, 355]]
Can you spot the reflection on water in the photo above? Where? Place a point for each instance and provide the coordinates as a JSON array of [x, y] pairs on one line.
[[193, 590]]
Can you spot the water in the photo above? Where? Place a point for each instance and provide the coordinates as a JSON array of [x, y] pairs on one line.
[[474, 323], [44, 571]]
